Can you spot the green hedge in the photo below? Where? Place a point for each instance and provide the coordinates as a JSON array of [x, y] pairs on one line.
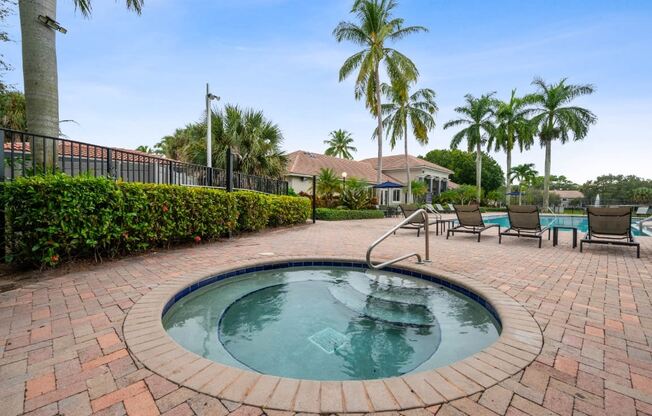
[[57, 218], [328, 214]]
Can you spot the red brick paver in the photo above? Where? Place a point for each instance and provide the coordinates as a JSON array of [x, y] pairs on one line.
[[62, 346]]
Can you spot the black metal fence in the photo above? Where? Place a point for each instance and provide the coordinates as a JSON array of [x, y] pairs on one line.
[[28, 154]]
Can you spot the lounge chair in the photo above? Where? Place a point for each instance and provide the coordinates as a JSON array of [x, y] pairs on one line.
[[470, 221], [642, 210], [432, 210], [416, 224], [442, 222], [524, 221], [450, 207], [440, 208], [610, 226]]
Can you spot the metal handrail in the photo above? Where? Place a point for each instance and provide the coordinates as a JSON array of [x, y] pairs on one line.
[[640, 223], [424, 215]]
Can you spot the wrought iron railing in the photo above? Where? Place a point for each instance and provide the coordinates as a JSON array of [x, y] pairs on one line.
[[28, 154]]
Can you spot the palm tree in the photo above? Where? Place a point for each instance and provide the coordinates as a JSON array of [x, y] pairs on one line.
[[376, 26], [525, 174], [478, 116], [40, 70], [340, 144], [417, 108], [255, 140], [328, 184], [512, 128], [145, 149], [557, 120]]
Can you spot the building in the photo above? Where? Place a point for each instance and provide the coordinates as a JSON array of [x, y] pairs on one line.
[[302, 166], [568, 197]]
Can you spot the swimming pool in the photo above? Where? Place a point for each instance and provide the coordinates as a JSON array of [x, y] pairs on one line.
[[332, 322], [580, 222]]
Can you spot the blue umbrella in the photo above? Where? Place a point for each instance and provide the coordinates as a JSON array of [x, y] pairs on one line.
[[388, 185]]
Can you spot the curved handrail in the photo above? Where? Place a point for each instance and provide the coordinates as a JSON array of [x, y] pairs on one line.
[[424, 215], [640, 223]]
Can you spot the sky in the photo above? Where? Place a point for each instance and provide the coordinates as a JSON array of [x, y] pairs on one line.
[[128, 80]]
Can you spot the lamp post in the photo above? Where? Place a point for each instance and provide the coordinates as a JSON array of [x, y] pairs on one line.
[[344, 174], [209, 132]]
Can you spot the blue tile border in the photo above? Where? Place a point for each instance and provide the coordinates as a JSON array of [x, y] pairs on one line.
[[331, 263]]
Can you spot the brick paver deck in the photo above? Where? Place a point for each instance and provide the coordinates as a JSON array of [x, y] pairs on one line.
[[63, 348]]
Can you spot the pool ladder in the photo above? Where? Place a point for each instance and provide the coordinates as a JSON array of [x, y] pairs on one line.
[[423, 214]]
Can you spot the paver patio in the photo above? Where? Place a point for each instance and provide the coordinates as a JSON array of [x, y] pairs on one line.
[[63, 348]]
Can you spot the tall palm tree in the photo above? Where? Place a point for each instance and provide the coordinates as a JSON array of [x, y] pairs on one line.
[[513, 128], [525, 174], [478, 116], [557, 120], [40, 70], [340, 144], [376, 25], [417, 108]]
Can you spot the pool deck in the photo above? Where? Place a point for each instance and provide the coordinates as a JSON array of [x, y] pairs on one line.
[[64, 352]]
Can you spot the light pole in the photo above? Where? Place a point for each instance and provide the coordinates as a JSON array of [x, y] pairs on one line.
[[344, 174], [209, 133]]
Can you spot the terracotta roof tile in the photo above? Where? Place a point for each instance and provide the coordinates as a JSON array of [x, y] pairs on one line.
[[309, 164], [398, 162]]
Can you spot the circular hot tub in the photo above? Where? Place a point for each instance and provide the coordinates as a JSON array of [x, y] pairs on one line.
[[331, 322], [330, 335]]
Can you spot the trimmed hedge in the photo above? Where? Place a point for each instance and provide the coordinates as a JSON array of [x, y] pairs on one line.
[[57, 218], [328, 214]]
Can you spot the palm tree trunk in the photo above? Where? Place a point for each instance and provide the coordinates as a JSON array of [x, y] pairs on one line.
[[508, 184], [546, 177], [478, 170], [40, 77], [379, 128], [407, 167]]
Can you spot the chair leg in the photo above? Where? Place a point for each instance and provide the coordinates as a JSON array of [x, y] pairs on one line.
[[638, 251], [581, 245], [479, 235], [448, 233], [500, 238], [540, 239]]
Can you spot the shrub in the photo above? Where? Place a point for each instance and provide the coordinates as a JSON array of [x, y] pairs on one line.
[[327, 214], [57, 218], [288, 210], [254, 210]]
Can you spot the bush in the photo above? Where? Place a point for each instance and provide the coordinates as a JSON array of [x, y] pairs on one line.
[[288, 210], [327, 214], [57, 218], [254, 210]]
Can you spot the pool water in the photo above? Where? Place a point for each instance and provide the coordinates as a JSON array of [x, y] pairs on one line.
[[579, 222], [324, 323]]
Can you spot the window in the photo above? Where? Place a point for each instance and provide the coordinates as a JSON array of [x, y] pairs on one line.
[[396, 195]]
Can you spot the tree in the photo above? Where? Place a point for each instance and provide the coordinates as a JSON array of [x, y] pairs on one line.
[[417, 108], [12, 110], [376, 25], [328, 184], [614, 189], [477, 117], [512, 129], [40, 71], [557, 120], [525, 174], [642, 195], [340, 144], [255, 140], [145, 149], [463, 165]]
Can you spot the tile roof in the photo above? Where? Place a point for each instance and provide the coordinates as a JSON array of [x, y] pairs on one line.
[[75, 149], [308, 164], [396, 162]]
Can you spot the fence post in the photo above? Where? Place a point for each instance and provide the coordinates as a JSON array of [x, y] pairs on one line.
[[229, 170], [108, 162], [314, 199], [170, 174], [210, 176]]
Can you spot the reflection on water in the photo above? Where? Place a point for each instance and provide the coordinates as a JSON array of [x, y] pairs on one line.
[[333, 324]]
